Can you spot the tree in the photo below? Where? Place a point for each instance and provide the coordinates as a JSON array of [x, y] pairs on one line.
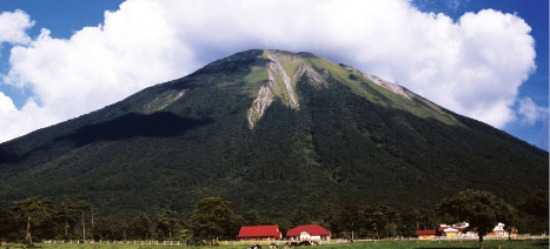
[[376, 218], [300, 217], [212, 218], [534, 212], [166, 223], [185, 235], [536, 204], [479, 208], [251, 218], [108, 229], [427, 220], [8, 224], [507, 215], [350, 219], [392, 218], [84, 206], [35, 211], [67, 214], [331, 220], [141, 226], [409, 223]]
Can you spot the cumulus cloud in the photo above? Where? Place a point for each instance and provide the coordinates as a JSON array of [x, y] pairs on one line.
[[13, 26], [6, 104], [530, 112], [473, 66], [14, 122], [100, 65]]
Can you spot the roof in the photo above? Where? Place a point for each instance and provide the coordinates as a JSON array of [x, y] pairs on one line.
[[313, 230], [425, 232], [450, 230], [447, 228], [260, 231]]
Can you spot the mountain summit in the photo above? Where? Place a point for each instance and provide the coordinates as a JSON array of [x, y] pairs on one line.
[[265, 129]]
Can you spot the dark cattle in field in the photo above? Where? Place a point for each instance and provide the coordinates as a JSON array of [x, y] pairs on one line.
[[273, 246], [291, 244], [256, 246], [304, 243]]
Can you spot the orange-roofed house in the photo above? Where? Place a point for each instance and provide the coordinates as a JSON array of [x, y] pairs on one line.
[[447, 231], [425, 234], [309, 233], [259, 233]]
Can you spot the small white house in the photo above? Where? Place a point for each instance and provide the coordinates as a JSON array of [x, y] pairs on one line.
[[499, 231]]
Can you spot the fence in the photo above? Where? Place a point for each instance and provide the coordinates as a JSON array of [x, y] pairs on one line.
[[117, 242], [282, 242]]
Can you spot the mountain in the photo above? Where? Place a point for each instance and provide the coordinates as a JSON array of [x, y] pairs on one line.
[[273, 131]]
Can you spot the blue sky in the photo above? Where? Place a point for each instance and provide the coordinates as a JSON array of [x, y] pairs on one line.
[[487, 59]]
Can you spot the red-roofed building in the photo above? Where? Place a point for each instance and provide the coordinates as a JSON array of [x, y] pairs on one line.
[[425, 234], [308, 232], [259, 233]]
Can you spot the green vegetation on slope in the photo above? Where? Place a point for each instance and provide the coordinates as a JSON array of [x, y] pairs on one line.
[[350, 139]]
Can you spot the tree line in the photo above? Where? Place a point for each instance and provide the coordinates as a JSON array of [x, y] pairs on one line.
[[213, 218]]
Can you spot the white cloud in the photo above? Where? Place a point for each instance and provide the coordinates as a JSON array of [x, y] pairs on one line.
[[530, 112], [13, 26], [473, 66], [6, 104], [14, 122]]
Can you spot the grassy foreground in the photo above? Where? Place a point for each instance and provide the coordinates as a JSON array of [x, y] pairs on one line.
[[529, 244]]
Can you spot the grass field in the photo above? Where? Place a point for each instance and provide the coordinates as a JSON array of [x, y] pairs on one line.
[[528, 244]]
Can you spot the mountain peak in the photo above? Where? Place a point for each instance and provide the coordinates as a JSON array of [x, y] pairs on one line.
[[274, 76]]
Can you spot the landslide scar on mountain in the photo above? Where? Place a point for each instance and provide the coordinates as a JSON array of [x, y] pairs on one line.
[[283, 73]]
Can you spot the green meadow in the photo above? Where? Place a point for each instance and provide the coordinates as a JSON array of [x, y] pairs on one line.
[[491, 244]]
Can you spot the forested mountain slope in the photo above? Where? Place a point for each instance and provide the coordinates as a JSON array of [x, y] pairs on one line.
[[272, 131]]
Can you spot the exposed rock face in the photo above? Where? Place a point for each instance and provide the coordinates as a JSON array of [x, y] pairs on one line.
[[395, 88], [260, 104], [279, 82]]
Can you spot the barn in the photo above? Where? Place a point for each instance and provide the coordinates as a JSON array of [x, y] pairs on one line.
[[308, 233], [259, 233]]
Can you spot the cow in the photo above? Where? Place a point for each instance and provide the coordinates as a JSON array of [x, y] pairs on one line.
[[304, 243], [255, 246], [300, 244], [290, 244]]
